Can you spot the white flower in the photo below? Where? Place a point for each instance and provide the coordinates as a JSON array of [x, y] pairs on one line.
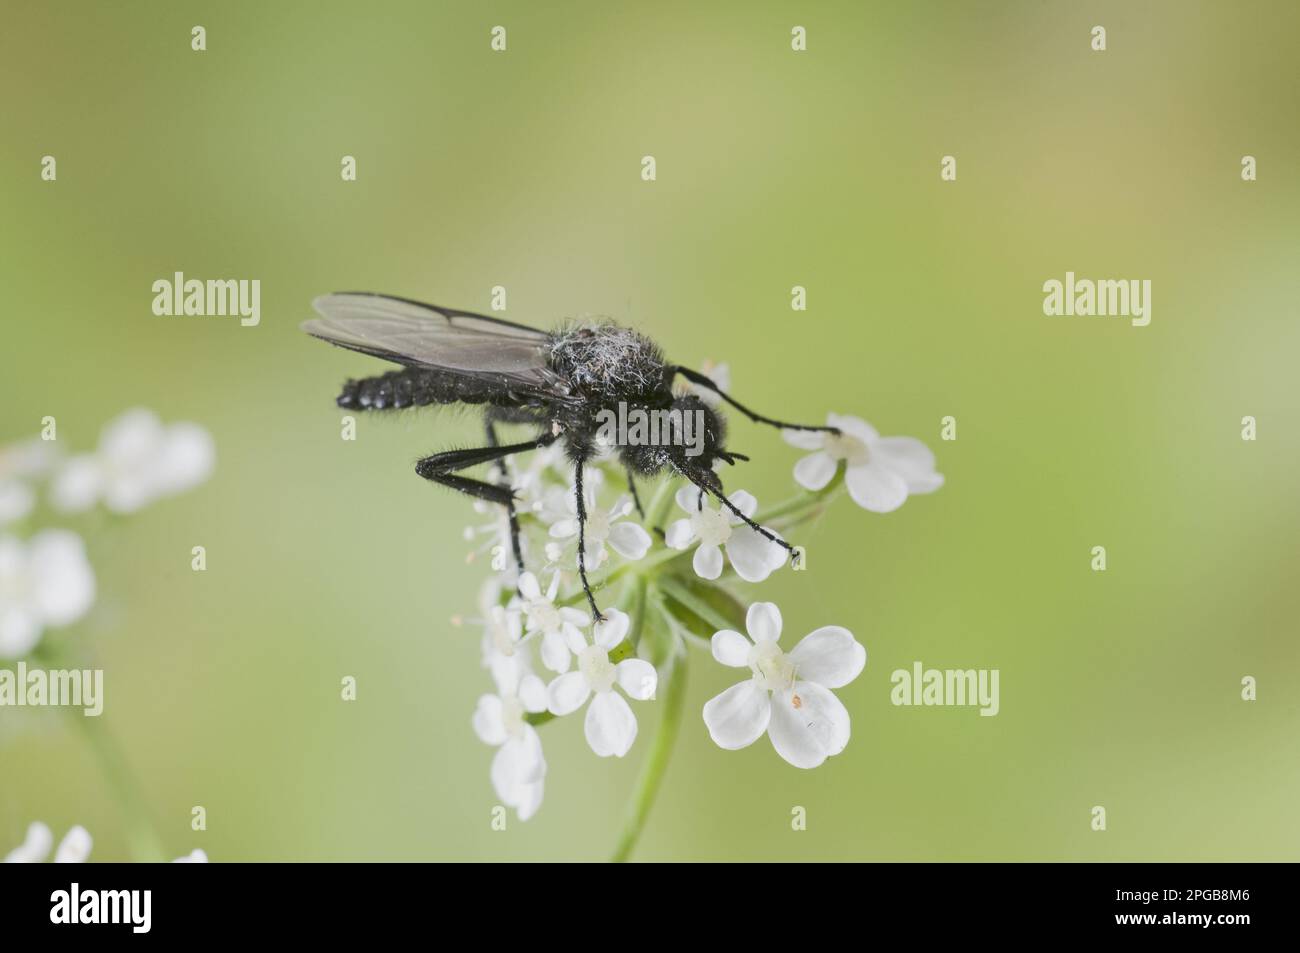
[[19, 463], [498, 544], [558, 625], [518, 768], [138, 461], [531, 474], [753, 556], [556, 502], [506, 655], [610, 724], [47, 582], [628, 539], [73, 849], [788, 696], [503, 628], [880, 472], [16, 500], [502, 625]]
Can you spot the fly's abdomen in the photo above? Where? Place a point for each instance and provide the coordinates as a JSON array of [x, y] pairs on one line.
[[396, 389], [410, 387]]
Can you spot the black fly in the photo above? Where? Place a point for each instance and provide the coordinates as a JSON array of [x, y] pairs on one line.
[[559, 381]]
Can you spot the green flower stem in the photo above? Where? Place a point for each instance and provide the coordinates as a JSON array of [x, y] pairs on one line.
[[674, 588], [639, 569], [142, 837], [686, 635], [805, 505], [658, 509], [673, 684], [634, 598]]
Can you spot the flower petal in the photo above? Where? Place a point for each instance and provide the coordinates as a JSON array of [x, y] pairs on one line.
[[77, 484], [19, 632], [530, 799], [566, 694], [132, 436], [517, 765], [809, 724], [35, 846], [804, 439], [610, 725], [185, 458], [629, 540], [574, 640], [75, 847], [730, 648], [688, 498], [532, 693], [813, 472], [638, 678], [910, 459], [754, 556], [575, 617], [763, 622], [563, 529], [16, 500], [529, 588], [64, 583], [679, 534], [829, 656], [488, 722], [875, 487], [739, 716], [555, 652], [707, 561], [854, 427], [613, 630], [744, 501]]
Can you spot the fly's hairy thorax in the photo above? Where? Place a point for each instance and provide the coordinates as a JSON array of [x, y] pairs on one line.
[[607, 364]]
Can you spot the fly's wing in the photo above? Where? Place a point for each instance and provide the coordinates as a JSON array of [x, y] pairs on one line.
[[456, 342]]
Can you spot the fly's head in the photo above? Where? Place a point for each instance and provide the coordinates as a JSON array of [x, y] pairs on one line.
[[698, 441]]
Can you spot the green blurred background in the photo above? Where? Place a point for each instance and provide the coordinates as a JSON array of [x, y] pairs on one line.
[[522, 169]]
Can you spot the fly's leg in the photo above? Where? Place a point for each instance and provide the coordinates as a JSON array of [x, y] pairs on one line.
[[722, 499], [582, 537], [441, 468], [636, 499]]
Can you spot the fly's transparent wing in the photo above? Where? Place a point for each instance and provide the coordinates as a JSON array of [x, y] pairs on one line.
[[458, 342]]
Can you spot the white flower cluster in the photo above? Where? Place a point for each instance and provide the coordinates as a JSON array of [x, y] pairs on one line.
[[73, 849], [548, 660], [47, 581]]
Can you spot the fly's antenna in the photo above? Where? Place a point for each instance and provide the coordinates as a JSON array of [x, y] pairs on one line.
[[695, 377], [722, 498]]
